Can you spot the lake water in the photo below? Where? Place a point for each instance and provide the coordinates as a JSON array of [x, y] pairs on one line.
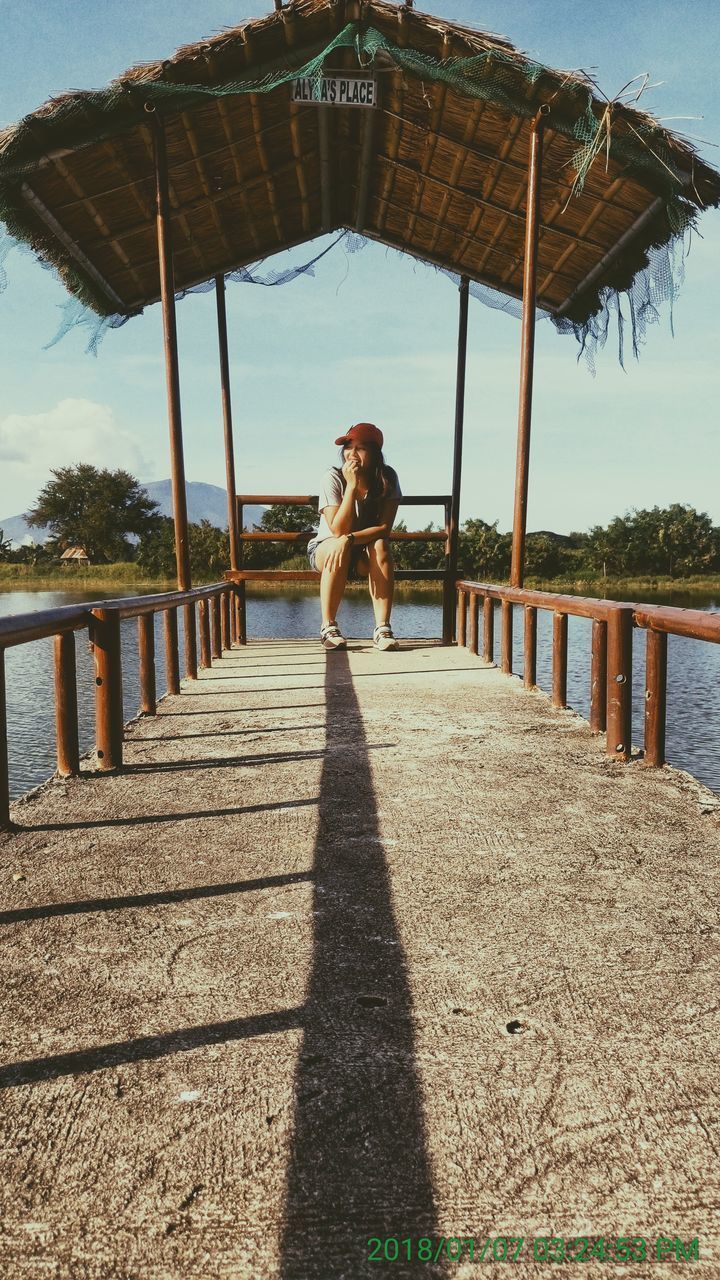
[[693, 733]]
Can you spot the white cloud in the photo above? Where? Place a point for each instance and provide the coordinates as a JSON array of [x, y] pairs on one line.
[[73, 431]]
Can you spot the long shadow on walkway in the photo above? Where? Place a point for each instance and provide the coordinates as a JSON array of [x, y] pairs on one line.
[[359, 1166]]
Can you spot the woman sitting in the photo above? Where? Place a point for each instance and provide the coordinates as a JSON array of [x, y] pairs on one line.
[[358, 504]]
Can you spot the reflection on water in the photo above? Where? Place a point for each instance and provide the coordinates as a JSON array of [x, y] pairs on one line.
[[693, 729]]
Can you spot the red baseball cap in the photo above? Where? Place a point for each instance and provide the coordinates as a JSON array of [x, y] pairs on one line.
[[363, 433]]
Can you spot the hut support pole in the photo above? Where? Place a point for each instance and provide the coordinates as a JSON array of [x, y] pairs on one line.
[[177, 463], [527, 350], [450, 601], [227, 420]]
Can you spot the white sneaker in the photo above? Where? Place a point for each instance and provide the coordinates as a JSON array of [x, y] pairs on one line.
[[383, 638], [332, 637]]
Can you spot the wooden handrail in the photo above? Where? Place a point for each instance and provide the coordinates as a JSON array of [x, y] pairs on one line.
[[611, 663], [102, 618], [311, 500]]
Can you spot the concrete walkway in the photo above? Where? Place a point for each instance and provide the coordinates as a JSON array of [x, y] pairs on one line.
[[359, 946]]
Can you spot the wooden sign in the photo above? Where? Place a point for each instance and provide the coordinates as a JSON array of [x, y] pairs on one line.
[[335, 91]]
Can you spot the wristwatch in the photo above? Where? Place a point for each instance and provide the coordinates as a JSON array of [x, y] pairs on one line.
[[350, 537]]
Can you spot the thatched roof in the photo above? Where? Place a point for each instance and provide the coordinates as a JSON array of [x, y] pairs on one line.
[[437, 170]]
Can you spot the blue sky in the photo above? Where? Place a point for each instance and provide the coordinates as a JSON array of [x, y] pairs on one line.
[[373, 335]]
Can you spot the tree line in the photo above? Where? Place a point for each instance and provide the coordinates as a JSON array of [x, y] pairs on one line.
[[110, 515], [674, 542]]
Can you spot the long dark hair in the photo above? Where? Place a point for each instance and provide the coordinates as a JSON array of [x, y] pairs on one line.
[[382, 479]]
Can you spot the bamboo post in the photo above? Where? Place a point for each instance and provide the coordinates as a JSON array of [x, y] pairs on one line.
[[461, 616], [530, 647], [473, 623], [506, 637], [655, 697], [205, 659], [146, 650], [66, 715], [225, 619], [191, 660], [4, 763], [227, 420], [458, 443], [619, 683], [598, 677], [216, 650], [448, 584], [172, 376], [527, 350], [559, 660], [105, 632], [172, 656], [488, 629]]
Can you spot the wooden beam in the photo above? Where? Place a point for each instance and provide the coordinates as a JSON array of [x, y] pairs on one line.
[[612, 253], [527, 352], [72, 248]]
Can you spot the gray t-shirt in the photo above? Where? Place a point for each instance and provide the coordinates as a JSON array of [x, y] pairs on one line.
[[331, 495]]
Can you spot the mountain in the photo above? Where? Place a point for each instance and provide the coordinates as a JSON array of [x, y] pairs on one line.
[[204, 502]]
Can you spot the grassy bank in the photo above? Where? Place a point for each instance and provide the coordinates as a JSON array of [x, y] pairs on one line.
[[25, 577], [108, 577], [628, 587]]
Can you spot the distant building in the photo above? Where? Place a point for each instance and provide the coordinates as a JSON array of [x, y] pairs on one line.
[[75, 555]]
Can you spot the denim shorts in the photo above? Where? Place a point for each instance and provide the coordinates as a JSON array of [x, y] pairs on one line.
[[353, 575]]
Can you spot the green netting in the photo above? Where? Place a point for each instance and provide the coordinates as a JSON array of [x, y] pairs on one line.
[[493, 75]]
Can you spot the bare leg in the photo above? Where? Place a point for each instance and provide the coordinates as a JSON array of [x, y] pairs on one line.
[[332, 581], [382, 580]]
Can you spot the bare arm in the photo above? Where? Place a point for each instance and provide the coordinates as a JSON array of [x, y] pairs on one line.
[[341, 524], [388, 512]]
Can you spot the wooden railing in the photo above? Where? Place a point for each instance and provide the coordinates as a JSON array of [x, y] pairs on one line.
[[611, 652], [446, 575], [217, 625]]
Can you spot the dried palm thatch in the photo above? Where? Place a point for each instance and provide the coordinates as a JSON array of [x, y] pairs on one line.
[[438, 169]]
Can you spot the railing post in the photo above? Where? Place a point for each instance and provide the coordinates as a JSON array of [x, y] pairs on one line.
[[473, 627], [530, 647], [506, 637], [238, 626], [146, 650], [66, 716], [242, 612], [172, 657], [454, 524], [105, 632], [448, 584], [227, 420], [488, 629], [655, 697], [598, 677], [205, 659], [216, 649], [4, 764], [191, 662], [619, 683], [225, 619], [559, 660], [239, 614], [461, 618]]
